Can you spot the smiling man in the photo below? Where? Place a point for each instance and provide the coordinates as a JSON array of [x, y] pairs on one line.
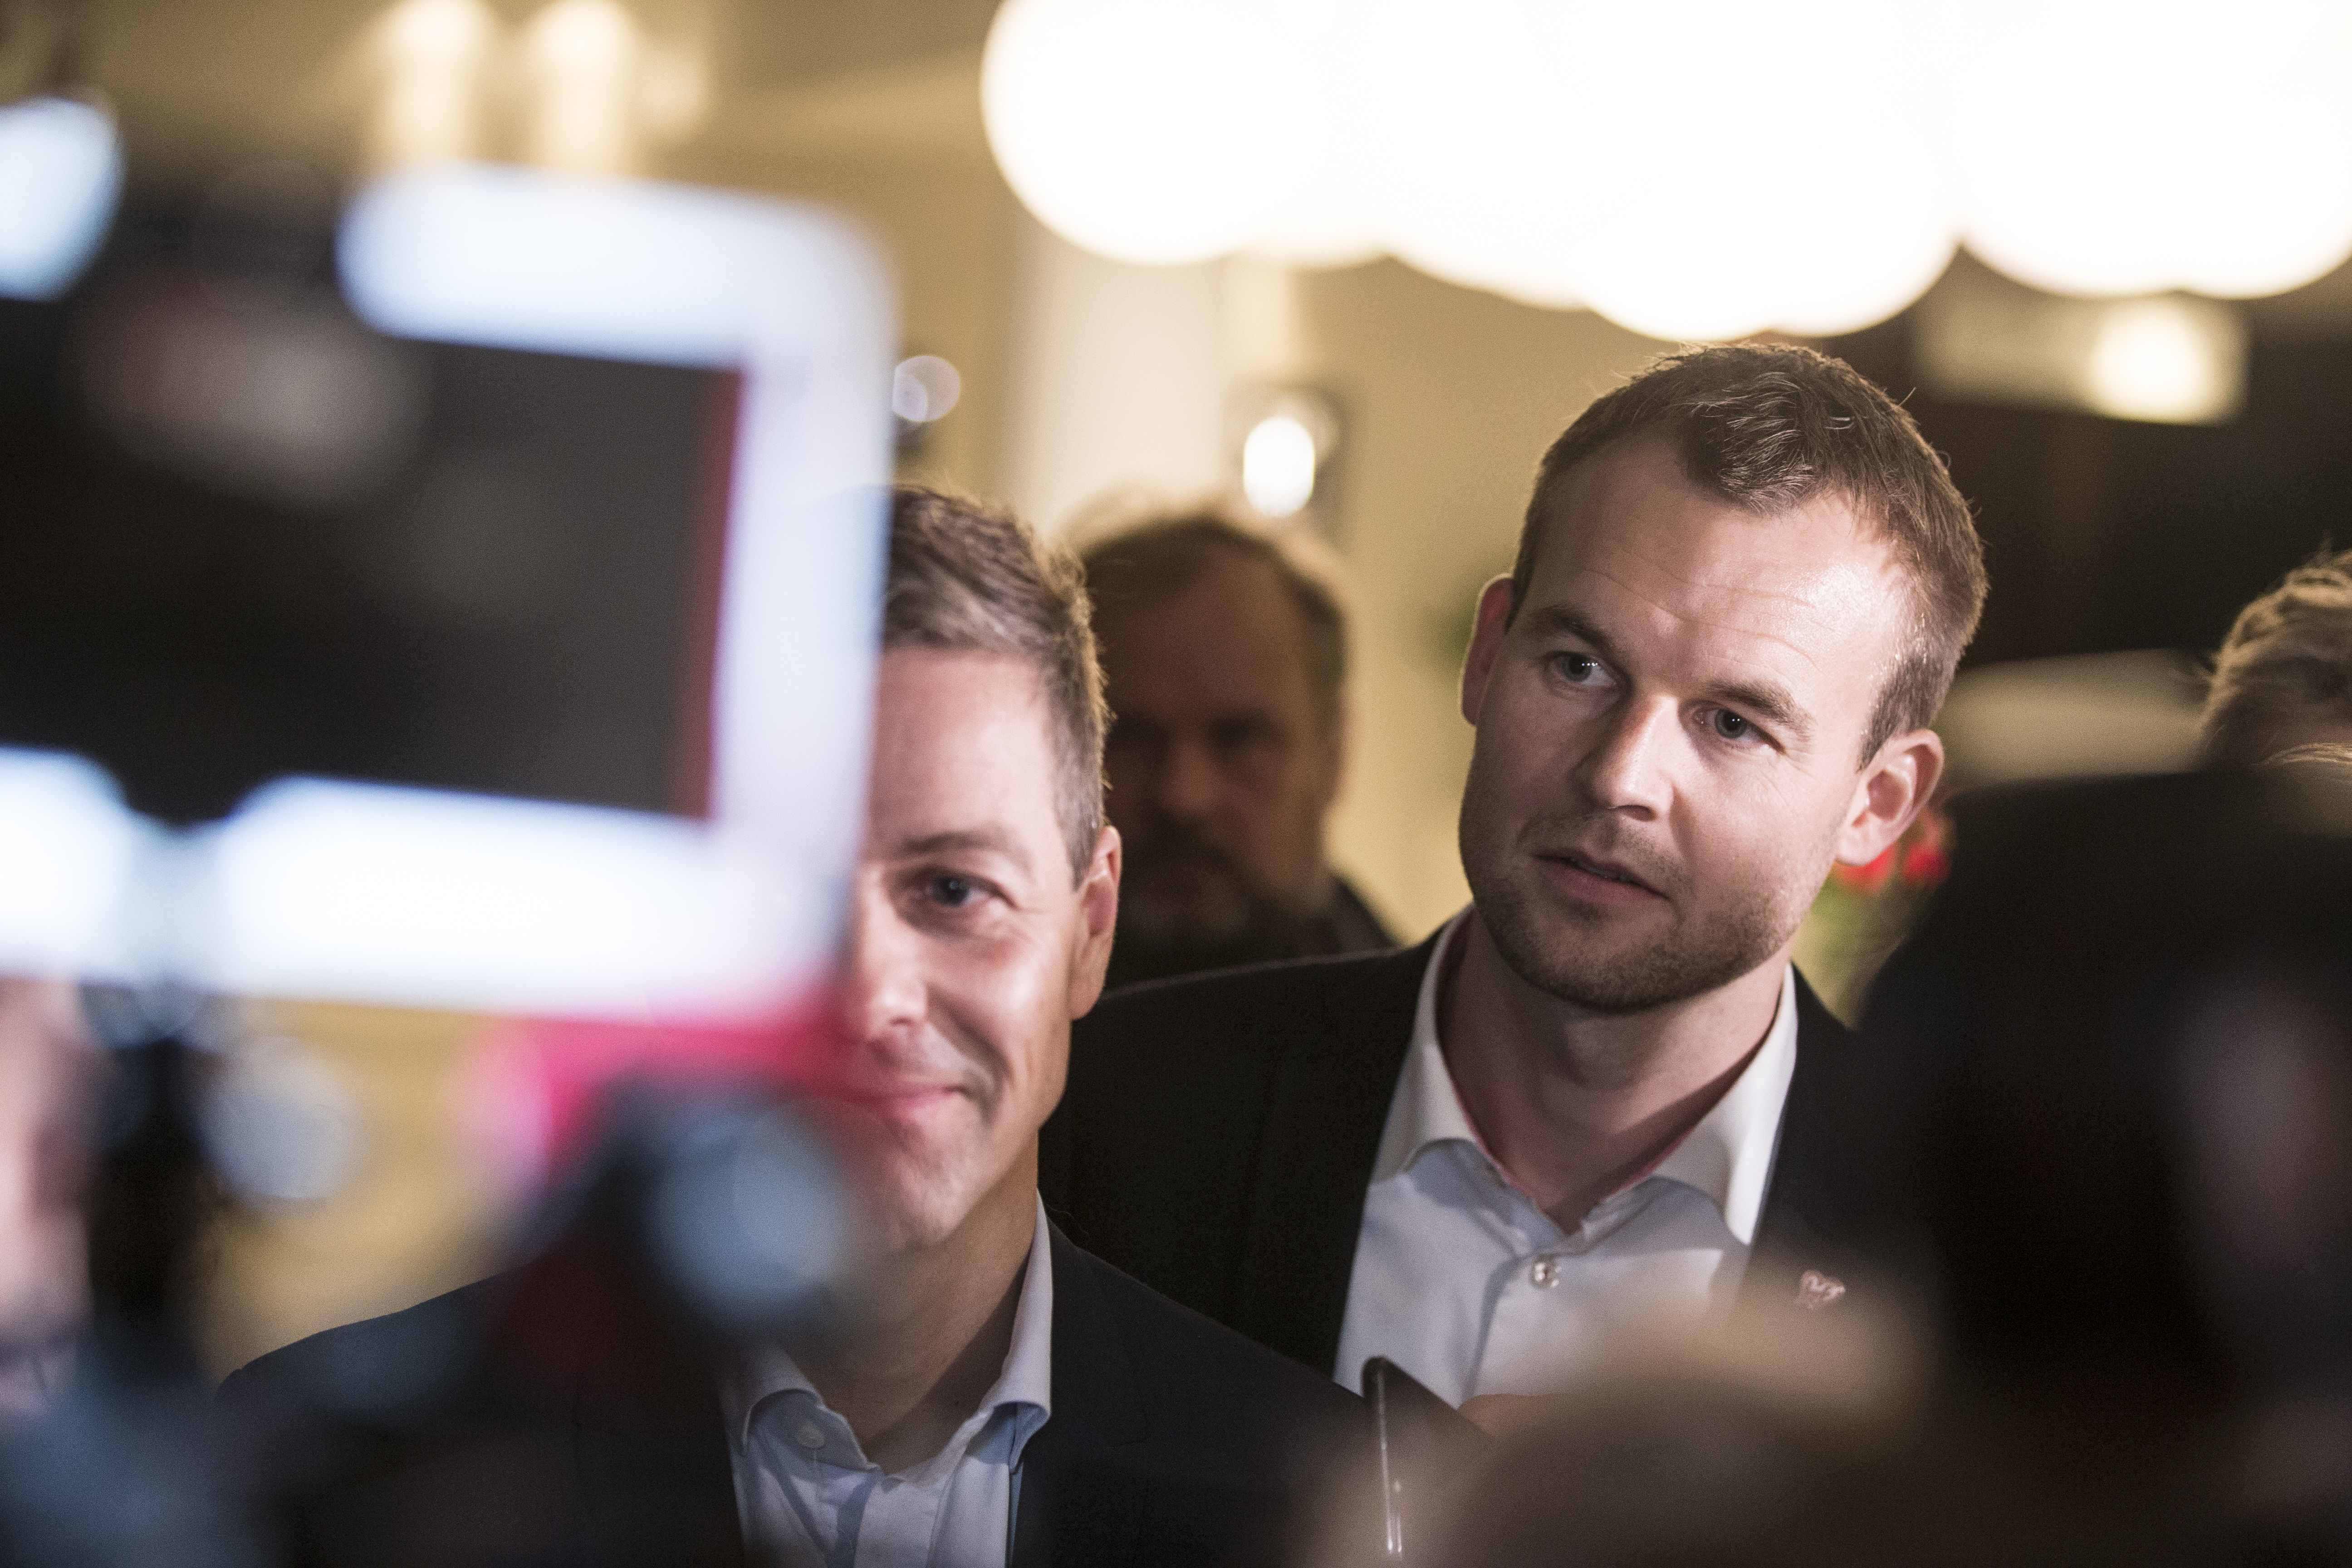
[[993, 1393], [1603, 1091], [981, 1393]]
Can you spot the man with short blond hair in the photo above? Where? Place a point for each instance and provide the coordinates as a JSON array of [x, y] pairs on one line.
[[1602, 1092], [982, 1393]]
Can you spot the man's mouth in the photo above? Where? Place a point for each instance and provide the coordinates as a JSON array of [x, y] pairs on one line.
[[1608, 872]]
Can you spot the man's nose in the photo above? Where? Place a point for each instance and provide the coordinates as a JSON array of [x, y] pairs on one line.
[[1627, 768], [1188, 785], [880, 983]]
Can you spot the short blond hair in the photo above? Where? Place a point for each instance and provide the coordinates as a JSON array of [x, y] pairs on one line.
[[967, 577]]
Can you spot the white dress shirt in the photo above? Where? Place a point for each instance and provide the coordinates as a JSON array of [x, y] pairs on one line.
[[807, 1495], [1469, 1287]]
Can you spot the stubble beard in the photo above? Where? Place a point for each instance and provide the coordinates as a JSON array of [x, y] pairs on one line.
[[1567, 950], [1251, 912]]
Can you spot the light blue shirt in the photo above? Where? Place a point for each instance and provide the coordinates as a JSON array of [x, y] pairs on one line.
[[807, 1495]]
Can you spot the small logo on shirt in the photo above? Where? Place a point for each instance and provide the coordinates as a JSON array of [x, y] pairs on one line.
[[1817, 1289]]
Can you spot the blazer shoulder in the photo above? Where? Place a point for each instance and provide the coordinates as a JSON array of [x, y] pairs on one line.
[[379, 1370]]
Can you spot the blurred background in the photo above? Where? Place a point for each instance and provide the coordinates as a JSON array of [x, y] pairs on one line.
[[1361, 262]]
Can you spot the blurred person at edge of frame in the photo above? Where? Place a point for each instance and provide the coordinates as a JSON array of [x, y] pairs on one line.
[[2283, 677], [1225, 649], [1602, 1089], [976, 1391], [52, 1080], [2112, 1123]]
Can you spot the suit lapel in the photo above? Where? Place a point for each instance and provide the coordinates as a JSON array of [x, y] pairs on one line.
[[1805, 1235], [652, 1463], [1078, 1505], [1325, 1109]]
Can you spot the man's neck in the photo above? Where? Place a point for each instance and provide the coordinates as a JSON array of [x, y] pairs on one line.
[[1576, 1105], [930, 1331]]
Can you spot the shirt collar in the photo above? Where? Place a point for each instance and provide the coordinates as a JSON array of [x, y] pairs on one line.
[[1728, 1157], [762, 1370]]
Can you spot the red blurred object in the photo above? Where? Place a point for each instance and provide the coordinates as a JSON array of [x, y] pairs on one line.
[[1917, 860], [1925, 865], [1866, 879], [531, 1087]]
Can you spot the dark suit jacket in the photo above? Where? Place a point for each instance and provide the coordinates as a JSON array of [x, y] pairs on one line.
[[574, 1428], [1219, 1132]]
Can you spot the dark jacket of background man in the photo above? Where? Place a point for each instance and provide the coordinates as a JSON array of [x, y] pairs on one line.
[[1741, 591], [1224, 651]]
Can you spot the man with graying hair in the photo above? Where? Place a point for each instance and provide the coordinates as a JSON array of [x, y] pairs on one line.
[[1601, 1093], [1225, 649]]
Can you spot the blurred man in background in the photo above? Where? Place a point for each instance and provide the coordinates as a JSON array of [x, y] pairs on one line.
[[1601, 1090], [2283, 676], [1225, 657]]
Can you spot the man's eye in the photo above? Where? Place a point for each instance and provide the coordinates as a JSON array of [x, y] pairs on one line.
[[954, 892], [1577, 669], [1729, 725]]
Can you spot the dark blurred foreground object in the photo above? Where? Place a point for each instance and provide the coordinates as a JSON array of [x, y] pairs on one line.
[[243, 535], [125, 1464], [562, 1412], [2113, 1131], [1692, 1468], [568, 1412]]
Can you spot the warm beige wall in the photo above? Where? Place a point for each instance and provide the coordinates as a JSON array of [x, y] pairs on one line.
[[1450, 396]]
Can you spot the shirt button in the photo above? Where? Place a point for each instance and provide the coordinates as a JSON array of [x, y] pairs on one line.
[[1545, 1273], [808, 1436]]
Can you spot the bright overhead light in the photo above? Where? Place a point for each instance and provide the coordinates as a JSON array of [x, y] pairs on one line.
[[1722, 205], [1160, 132], [2173, 358], [2174, 361], [1279, 462], [433, 55], [60, 172], [1702, 171], [924, 388], [580, 59], [2106, 149]]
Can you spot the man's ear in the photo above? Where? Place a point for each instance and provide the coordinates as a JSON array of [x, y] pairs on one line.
[[1098, 917], [1485, 643], [1892, 790]]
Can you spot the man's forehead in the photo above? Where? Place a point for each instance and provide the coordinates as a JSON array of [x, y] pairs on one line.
[[962, 740], [1630, 530]]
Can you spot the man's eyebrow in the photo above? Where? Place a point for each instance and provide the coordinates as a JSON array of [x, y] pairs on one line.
[[1767, 701], [992, 839], [1562, 620]]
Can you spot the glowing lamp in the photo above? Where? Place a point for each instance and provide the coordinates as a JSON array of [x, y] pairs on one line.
[[2107, 150], [1160, 132], [60, 172]]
